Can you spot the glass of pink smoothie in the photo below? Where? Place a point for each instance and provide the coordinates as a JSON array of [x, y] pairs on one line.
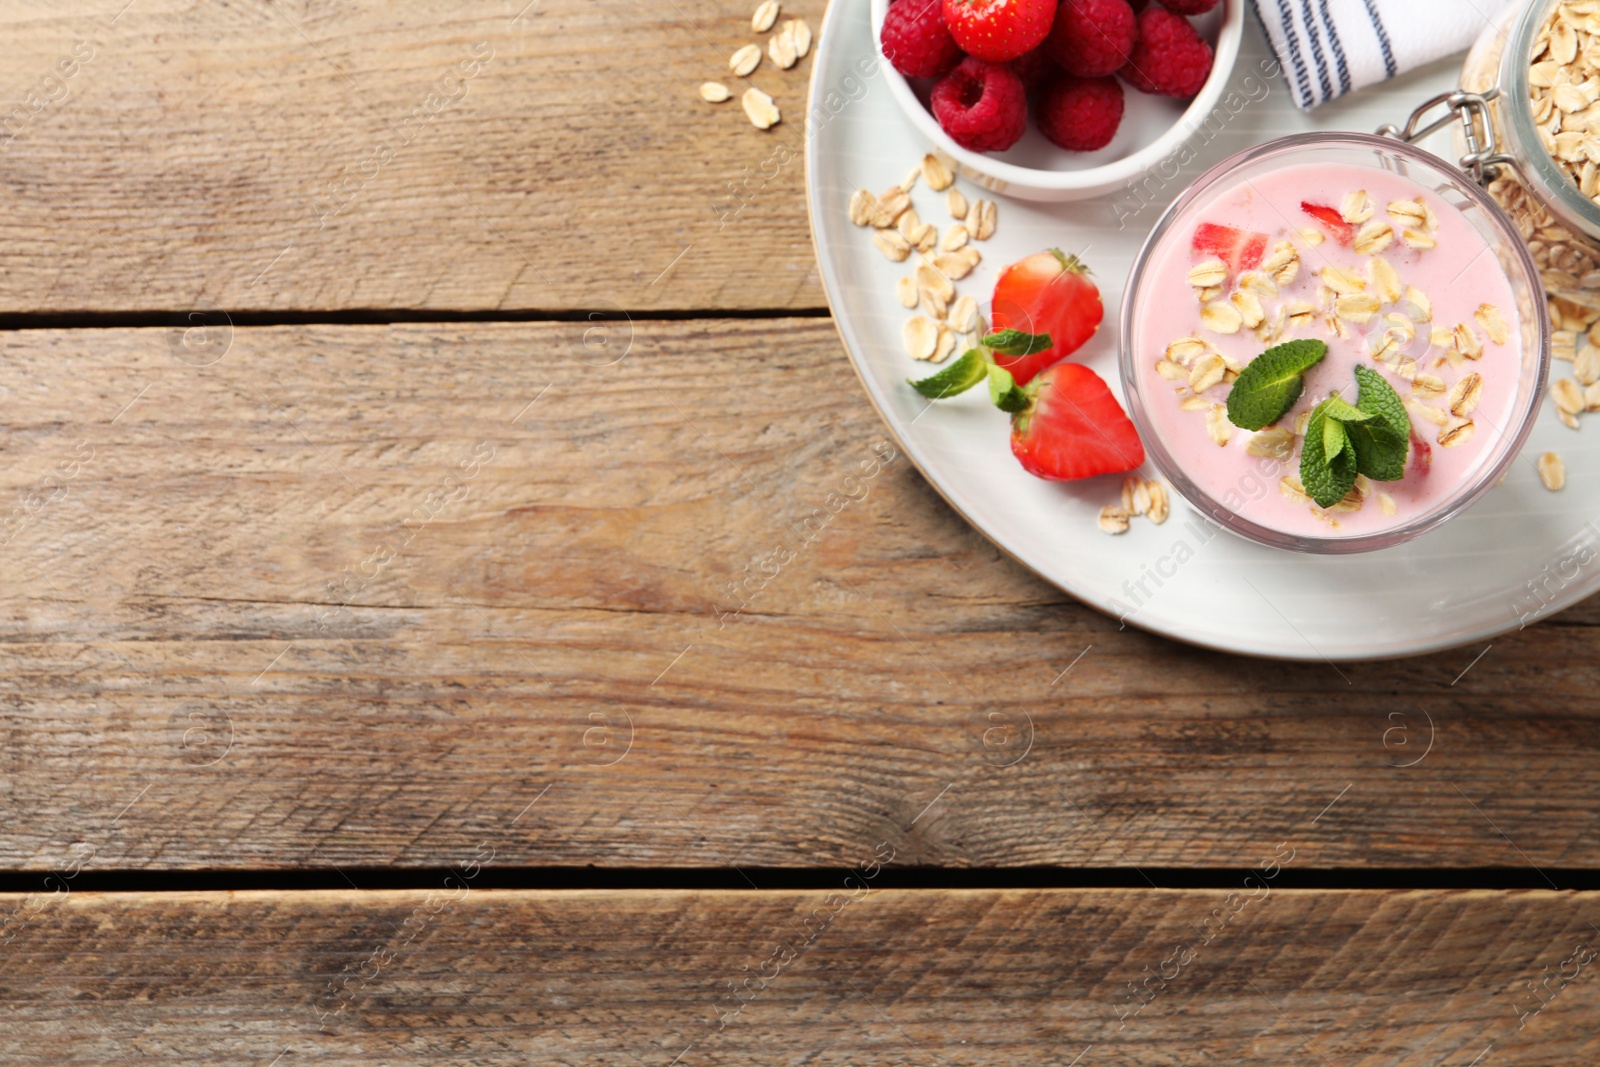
[[1394, 260]]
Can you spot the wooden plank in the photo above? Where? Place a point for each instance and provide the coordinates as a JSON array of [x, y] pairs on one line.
[[369, 596], [863, 975], [302, 154]]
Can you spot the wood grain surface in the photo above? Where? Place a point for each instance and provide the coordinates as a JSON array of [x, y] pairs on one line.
[[369, 596], [861, 975], [335, 154]]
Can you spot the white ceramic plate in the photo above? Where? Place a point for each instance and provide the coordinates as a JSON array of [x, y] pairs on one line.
[[1519, 554]]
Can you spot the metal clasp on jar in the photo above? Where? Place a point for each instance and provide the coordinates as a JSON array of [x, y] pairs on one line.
[[1471, 110]]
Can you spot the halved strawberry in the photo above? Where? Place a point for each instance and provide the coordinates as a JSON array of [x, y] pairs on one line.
[[1331, 221], [1072, 427], [1045, 293], [1239, 249], [1421, 454]]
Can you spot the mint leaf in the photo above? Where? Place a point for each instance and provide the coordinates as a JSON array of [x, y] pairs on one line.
[[1272, 382], [1336, 407], [1017, 343], [1377, 398], [1333, 437], [1380, 452], [958, 377], [1004, 392], [1327, 478], [1383, 442]]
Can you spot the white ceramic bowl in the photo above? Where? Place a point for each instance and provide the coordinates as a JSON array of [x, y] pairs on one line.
[[1153, 127]]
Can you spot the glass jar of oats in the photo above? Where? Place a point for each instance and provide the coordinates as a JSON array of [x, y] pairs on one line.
[[1527, 125]]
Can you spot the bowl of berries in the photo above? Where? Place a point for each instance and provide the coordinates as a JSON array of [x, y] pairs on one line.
[[1054, 100]]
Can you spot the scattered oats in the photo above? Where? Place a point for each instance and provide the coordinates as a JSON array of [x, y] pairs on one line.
[[1274, 442], [780, 47], [799, 31], [946, 345], [936, 173], [1464, 340], [1418, 239], [1586, 364], [929, 277], [1113, 520], [1569, 420], [1552, 472], [1341, 281], [968, 255], [1465, 394], [908, 224], [1357, 307], [892, 245], [906, 290], [1283, 264], [1249, 307], [981, 220], [1563, 345], [1563, 42], [1421, 412], [1385, 279], [1420, 304], [1263, 287], [1493, 323], [1210, 272], [1591, 397], [1208, 294], [745, 60], [1439, 337], [953, 264], [1357, 207], [1160, 506], [1427, 386], [1407, 369], [1135, 495], [1373, 238], [932, 302], [894, 202], [1217, 424], [1206, 372], [963, 317], [1171, 371], [766, 14], [1300, 313], [1409, 214], [1194, 403], [1567, 395], [921, 337], [1291, 487], [1385, 346], [714, 92], [1455, 432], [957, 204], [909, 182], [927, 238], [1385, 503], [1301, 421], [1311, 236], [1221, 318], [1401, 326], [955, 237], [1186, 349], [863, 207]]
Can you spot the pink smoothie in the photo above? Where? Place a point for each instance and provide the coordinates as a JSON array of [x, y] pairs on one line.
[[1436, 309]]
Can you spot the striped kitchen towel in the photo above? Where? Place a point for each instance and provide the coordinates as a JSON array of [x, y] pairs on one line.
[[1329, 47]]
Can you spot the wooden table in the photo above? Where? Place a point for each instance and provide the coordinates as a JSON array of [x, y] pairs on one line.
[[391, 404]]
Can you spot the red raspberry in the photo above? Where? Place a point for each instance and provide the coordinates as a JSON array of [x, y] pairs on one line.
[[1188, 7], [1091, 38], [982, 106], [1035, 68], [1081, 114], [1169, 59], [916, 41]]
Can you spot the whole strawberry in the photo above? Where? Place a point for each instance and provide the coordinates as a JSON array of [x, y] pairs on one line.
[[1081, 114], [1092, 38], [998, 30], [982, 106], [1050, 294], [1169, 58], [916, 41]]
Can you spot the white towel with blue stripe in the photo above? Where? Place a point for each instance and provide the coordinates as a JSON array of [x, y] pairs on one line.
[[1331, 47]]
